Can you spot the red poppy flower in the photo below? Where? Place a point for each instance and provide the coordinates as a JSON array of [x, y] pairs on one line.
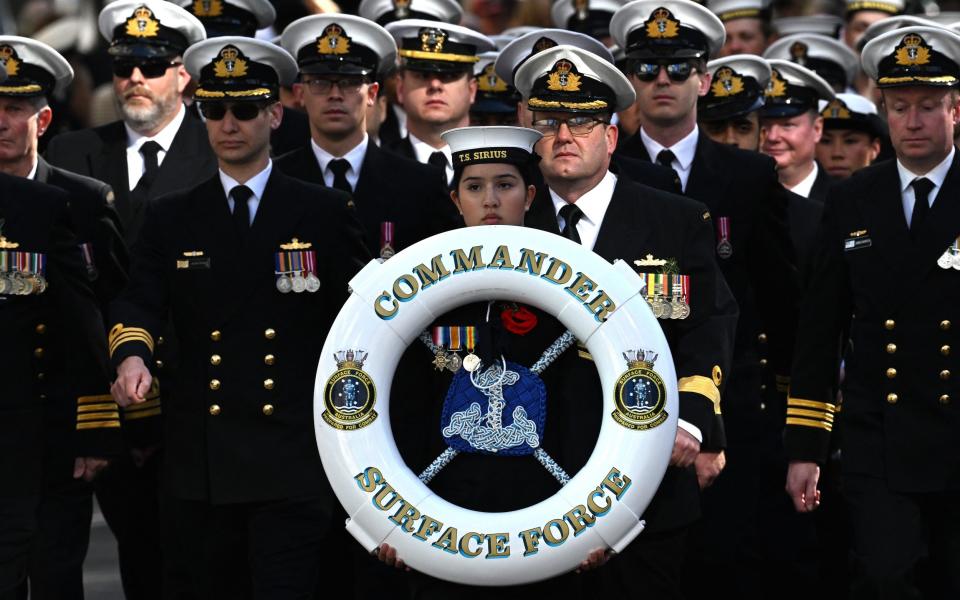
[[518, 320]]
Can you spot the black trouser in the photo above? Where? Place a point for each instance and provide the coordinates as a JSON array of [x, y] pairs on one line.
[[651, 567], [906, 545], [261, 550], [424, 587], [18, 525]]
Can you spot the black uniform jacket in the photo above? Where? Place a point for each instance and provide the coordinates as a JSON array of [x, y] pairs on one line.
[[640, 221], [52, 344], [239, 424], [821, 184], [901, 418], [101, 153], [408, 194], [741, 189]]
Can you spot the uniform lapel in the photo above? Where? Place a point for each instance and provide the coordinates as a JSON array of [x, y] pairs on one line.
[[217, 237], [189, 155], [882, 207], [110, 165], [705, 183], [619, 236]]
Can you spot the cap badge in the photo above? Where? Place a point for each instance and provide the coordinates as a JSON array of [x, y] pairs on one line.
[[912, 51], [798, 53], [582, 8], [542, 44], [662, 24], [334, 41], [836, 110], [208, 8], [489, 82], [564, 77], [432, 39], [142, 24], [231, 63], [401, 8], [726, 83], [8, 60], [777, 86]]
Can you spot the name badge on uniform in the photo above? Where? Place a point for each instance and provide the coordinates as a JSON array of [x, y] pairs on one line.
[[193, 259], [950, 259], [857, 240], [296, 268]]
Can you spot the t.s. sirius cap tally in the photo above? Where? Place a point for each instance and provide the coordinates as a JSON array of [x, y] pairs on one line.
[[666, 29], [338, 43], [525, 46], [239, 69], [493, 144], [435, 46], [913, 56], [148, 28], [32, 68], [568, 79], [736, 88]]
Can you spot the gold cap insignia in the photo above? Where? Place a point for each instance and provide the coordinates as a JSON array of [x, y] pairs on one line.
[[777, 86], [207, 8], [564, 77], [489, 82], [583, 9], [542, 44], [296, 244], [142, 24], [432, 39], [350, 359], [836, 110], [640, 359], [798, 52], [726, 83], [401, 8], [8, 60], [662, 24], [230, 64], [4, 243], [912, 51], [334, 41], [650, 261]]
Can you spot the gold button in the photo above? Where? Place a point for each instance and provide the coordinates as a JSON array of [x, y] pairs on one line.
[[160, 341], [214, 409], [762, 338], [269, 360], [763, 362], [268, 384], [892, 398], [40, 376], [269, 334], [215, 335], [268, 409], [214, 384], [43, 396], [944, 375], [891, 348], [944, 399], [159, 364], [763, 387], [944, 325], [889, 324], [763, 406], [41, 328], [38, 352], [215, 359], [945, 350], [891, 373]]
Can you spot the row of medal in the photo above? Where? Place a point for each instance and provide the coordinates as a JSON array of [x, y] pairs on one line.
[[22, 273], [447, 341], [296, 271], [950, 259], [668, 295]]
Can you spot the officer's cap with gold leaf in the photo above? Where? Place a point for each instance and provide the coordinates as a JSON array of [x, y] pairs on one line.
[[148, 28], [852, 111], [231, 17], [878, 28], [925, 56], [827, 57], [591, 17], [736, 88], [828, 25], [494, 95], [239, 69], [890, 7], [658, 29], [435, 46], [570, 79], [388, 11], [730, 10], [31, 68], [339, 43], [793, 90], [529, 44]]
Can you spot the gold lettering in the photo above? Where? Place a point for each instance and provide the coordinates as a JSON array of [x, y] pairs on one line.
[[447, 541], [463, 157], [369, 479], [531, 539], [462, 263], [579, 519], [555, 540], [401, 294], [602, 306], [558, 265], [428, 527], [501, 259], [465, 544], [498, 545], [383, 311], [616, 482], [405, 516], [531, 260], [596, 509], [581, 287], [378, 500], [429, 276]]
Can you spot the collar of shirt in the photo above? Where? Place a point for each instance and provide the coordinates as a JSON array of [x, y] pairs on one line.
[[33, 171], [594, 205], [257, 184], [354, 157], [423, 150], [135, 166], [937, 175], [806, 184], [684, 152]]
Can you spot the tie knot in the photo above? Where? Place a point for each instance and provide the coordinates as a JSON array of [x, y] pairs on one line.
[[241, 193], [666, 158], [150, 148], [570, 213], [922, 187], [339, 166], [438, 159]]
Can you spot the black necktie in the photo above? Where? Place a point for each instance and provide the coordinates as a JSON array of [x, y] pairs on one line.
[[339, 168], [665, 159], [241, 209], [151, 165], [439, 159], [921, 206], [570, 213]]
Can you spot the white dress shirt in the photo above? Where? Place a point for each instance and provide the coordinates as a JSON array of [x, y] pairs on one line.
[[354, 157], [936, 176], [423, 150], [683, 153], [135, 165], [806, 184], [257, 184], [33, 171]]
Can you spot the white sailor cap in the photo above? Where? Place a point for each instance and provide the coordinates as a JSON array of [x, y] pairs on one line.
[[231, 17], [436, 46], [944, 18], [492, 144], [926, 56], [238, 69], [667, 29], [793, 90], [884, 25], [339, 43], [891, 7], [737, 87], [827, 57], [388, 11], [852, 111], [828, 25], [728, 10], [591, 17], [525, 46], [148, 28], [32, 68], [570, 79]]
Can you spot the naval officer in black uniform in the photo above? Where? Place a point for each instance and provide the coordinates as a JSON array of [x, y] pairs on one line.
[[887, 277], [340, 58], [253, 266]]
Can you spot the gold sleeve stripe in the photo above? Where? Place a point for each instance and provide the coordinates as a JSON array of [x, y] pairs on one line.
[[698, 384], [99, 425], [120, 335], [825, 406], [93, 399], [142, 406], [101, 416], [142, 414], [809, 423], [87, 408], [813, 414]]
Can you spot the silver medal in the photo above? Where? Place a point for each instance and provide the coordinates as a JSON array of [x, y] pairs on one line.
[[299, 284], [284, 285], [471, 362], [313, 283]]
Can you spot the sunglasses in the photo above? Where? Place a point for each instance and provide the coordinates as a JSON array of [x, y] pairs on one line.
[[677, 72], [149, 69], [215, 111]]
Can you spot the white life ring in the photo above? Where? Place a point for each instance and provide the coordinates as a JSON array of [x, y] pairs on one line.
[[391, 304]]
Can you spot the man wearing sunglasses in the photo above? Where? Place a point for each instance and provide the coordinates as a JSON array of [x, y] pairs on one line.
[[340, 57], [253, 266], [668, 44], [573, 94]]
